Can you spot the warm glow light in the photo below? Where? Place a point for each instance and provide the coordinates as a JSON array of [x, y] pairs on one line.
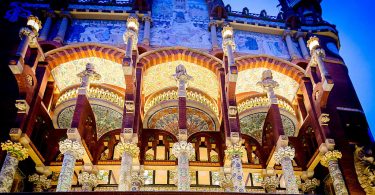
[[34, 23], [227, 32], [313, 43], [132, 23]]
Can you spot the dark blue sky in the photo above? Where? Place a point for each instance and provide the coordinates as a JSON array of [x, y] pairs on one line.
[[355, 21]]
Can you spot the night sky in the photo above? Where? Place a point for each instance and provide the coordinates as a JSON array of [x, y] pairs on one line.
[[355, 23]]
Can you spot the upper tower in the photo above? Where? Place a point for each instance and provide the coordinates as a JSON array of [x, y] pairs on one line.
[[305, 12]]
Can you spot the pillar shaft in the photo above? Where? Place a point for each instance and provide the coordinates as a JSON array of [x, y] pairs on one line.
[[67, 172], [45, 30], [303, 47], [289, 44], [22, 47], [146, 36], [237, 174], [129, 47], [62, 30], [289, 177], [230, 55], [336, 175], [214, 41], [7, 173], [183, 174], [321, 64], [125, 172]]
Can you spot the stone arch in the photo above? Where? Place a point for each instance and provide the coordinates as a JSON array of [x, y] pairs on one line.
[[276, 64], [83, 50], [168, 54]]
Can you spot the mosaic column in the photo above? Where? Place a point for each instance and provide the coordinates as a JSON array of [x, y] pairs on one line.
[[302, 45], [226, 182], [183, 151], [15, 153], [310, 185], [63, 27], [289, 44], [269, 84], [146, 36], [25, 34], [284, 156], [137, 181], [270, 184], [131, 36], [228, 43], [330, 160], [88, 181], [40, 182], [46, 27], [128, 151], [72, 151], [214, 42], [234, 153]]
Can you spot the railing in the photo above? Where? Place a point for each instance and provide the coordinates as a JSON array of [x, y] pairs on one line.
[[172, 95], [256, 16], [93, 92], [263, 101]]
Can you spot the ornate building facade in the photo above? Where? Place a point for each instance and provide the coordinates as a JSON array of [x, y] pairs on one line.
[[178, 95]]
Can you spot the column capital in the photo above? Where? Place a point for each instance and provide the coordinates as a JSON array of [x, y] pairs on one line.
[[270, 183], [330, 156], [22, 106], [268, 84], [88, 73], [88, 179], [147, 19], [40, 182], [299, 34], [310, 185], [284, 152], [129, 148], [234, 150], [226, 182], [182, 78], [137, 178], [15, 150], [73, 147], [25, 31], [183, 147], [213, 23], [287, 32]]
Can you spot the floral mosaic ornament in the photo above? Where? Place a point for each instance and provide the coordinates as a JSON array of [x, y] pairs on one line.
[[130, 148], [40, 182], [16, 150]]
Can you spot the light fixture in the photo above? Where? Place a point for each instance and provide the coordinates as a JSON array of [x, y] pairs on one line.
[[227, 32], [313, 43], [34, 23], [132, 23]]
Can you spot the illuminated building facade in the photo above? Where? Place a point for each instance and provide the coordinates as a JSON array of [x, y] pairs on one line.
[[178, 95]]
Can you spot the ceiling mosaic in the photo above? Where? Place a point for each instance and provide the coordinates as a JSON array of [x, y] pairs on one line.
[[252, 125], [247, 82], [111, 72], [167, 119], [160, 77], [107, 119]]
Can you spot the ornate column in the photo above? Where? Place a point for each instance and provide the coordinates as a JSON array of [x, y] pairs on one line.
[[234, 153], [28, 36], [226, 182], [228, 44], [40, 182], [284, 156], [330, 160], [310, 185], [137, 181], [269, 84], [72, 151], [213, 25], [131, 36], [270, 183], [86, 76], [128, 151], [15, 153], [317, 58], [63, 27], [47, 26], [146, 36], [300, 37], [289, 43], [183, 151], [88, 181]]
